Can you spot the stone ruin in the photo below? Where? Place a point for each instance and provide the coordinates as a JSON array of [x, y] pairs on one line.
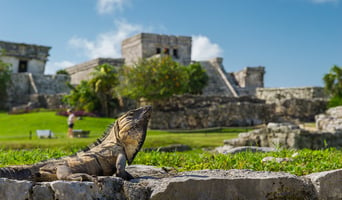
[[196, 112], [29, 87], [331, 120], [286, 135], [327, 134], [148, 45]]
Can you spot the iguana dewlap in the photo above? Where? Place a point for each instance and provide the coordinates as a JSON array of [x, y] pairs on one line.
[[107, 157]]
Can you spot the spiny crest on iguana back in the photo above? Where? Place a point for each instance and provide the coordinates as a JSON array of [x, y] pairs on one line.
[[102, 138], [131, 130]]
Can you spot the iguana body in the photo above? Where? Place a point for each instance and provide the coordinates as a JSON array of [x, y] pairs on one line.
[[107, 157]]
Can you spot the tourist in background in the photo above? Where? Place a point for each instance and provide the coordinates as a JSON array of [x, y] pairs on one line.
[[71, 120]]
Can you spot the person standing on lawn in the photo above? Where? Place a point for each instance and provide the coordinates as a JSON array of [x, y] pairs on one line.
[[71, 120]]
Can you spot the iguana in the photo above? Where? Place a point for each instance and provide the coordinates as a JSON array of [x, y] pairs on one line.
[[106, 157]]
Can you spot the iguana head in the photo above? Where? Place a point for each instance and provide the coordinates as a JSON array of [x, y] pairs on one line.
[[131, 130]]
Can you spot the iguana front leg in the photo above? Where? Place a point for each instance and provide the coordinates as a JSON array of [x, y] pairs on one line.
[[64, 172], [120, 167]]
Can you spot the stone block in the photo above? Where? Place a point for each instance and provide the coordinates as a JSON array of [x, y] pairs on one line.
[[328, 184], [14, 189], [232, 184], [66, 190], [42, 191]]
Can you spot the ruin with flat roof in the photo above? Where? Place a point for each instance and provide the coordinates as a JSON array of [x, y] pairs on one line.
[[29, 86]]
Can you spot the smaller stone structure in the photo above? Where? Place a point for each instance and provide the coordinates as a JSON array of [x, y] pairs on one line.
[[24, 57], [288, 136], [41, 90], [331, 120], [82, 71], [29, 87]]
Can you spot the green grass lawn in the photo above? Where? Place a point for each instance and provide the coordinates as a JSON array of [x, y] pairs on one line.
[[16, 148], [15, 131]]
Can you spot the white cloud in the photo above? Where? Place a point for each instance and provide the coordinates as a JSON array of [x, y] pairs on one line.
[[204, 49], [324, 1], [108, 6], [51, 68], [106, 44]]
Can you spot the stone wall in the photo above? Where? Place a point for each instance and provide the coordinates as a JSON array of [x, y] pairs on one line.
[[83, 71], [27, 87], [275, 95], [303, 110], [193, 112], [302, 103], [156, 184]]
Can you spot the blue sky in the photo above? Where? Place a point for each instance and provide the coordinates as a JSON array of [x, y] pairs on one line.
[[298, 41]]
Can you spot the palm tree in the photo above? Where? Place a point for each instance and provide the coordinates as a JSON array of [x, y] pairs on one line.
[[333, 81], [104, 80]]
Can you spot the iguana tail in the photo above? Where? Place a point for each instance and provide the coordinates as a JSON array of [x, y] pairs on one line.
[[19, 173]]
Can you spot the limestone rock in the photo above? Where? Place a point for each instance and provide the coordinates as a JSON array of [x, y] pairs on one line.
[[42, 191], [330, 121], [65, 190], [327, 184], [14, 189], [232, 184], [285, 135]]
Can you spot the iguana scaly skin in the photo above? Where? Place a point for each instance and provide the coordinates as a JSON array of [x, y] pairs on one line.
[[107, 157]]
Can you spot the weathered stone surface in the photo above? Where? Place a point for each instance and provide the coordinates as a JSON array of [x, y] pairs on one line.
[[187, 112], [331, 120], [232, 184], [274, 95], [39, 89], [156, 183], [42, 191], [303, 110], [134, 191], [66, 190], [328, 184], [288, 136], [14, 189], [146, 171]]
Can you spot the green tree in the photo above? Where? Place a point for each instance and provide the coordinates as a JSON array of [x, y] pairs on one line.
[[153, 79], [97, 94], [198, 78], [82, 97], [103, 83], [333, 85], [5, 77], [62, 71]]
